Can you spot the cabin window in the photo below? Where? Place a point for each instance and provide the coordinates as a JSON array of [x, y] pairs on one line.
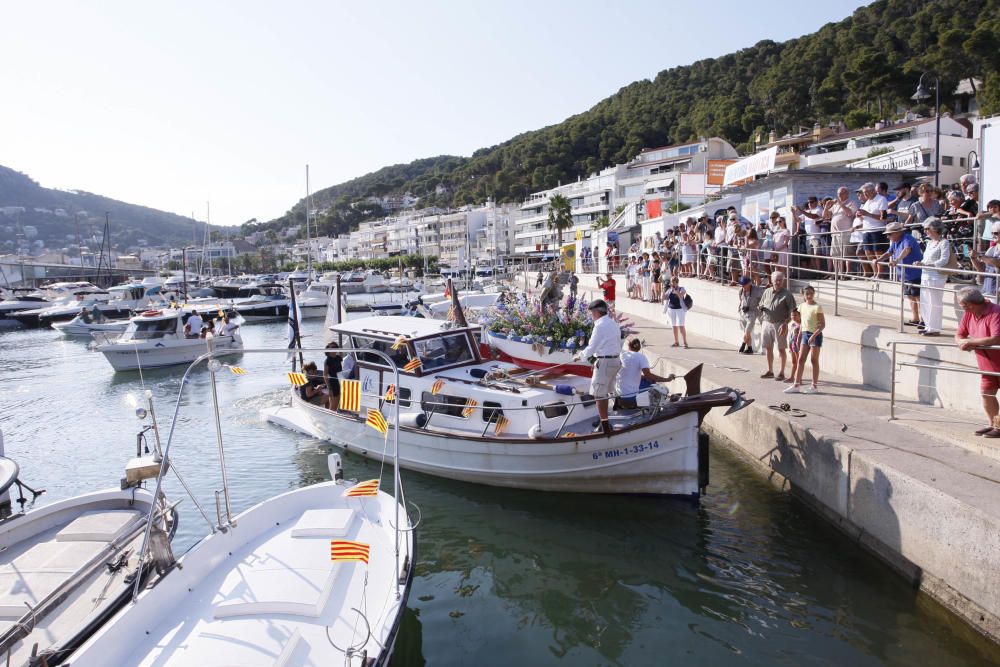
[[154, 329], [404, 397], [491, 411], [399, 356], [553, 410], [443, 351], [442, 404]]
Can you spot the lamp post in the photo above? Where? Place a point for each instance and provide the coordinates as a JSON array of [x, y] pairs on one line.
[[923, 94], [973, 166]]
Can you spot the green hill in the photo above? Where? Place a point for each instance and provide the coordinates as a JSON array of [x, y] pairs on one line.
[[84, 212], [857, 70]]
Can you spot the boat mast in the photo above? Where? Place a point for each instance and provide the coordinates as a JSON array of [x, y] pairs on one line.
[[308, 242]]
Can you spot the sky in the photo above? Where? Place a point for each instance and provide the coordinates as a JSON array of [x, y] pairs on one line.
[[187, 103]]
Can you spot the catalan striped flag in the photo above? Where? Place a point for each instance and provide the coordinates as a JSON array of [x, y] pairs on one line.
[[390, 394], [501, 425], [400, 342], [347, 550], [369, 488], [236, 370], [297, 379], [569, 434], [437, 386], [350, 395], [377, 421], [412, 365], [470, 406]]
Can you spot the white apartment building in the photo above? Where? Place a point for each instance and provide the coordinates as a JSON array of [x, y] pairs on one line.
[[849, 147], [458, 233], [494, 242], [589, 198], [672, 174], [369, 241], [336, 249], [401, 236], [428, 231]]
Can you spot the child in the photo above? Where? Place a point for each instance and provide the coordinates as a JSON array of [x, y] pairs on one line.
[[813, 322], [794, 344]]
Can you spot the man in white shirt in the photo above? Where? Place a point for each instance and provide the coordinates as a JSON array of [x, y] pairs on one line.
[[872, 217], [605, 346], [192, 328], [635, 367], [228, 328], [842, 219], [718, 248]]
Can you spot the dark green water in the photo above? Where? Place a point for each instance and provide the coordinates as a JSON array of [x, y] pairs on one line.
[[747, 576]]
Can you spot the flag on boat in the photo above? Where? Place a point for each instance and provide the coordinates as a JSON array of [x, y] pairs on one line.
[[377, 421], [350, 395], [369, 488], [390, 394], [470, 405], [447, 290], [501, 425], [437, 386], [569, 434], [412, 365], [236, 370], [400, 342], [347, 550], [297, 379]]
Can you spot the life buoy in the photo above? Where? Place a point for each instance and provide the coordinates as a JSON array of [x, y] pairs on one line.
[[152, 313]]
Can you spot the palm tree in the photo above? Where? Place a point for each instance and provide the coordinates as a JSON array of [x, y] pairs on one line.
[[560, 216]]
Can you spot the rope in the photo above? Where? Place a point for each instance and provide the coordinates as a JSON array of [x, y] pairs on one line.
[[788, 409]]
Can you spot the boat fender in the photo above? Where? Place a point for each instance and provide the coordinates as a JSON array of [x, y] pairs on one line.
[[413, 419], [565, 389], [535, 432], [336, 466], [151, 313]]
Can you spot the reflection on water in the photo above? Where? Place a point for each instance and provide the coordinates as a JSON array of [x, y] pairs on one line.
[[506, 577]]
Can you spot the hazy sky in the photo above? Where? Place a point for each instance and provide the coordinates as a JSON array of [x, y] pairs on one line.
[[178, 103]]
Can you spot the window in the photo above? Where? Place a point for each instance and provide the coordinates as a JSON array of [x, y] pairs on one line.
[[404, 397], [442, 404], [154, 329], [399, 357], [443, 351], [961, 162], [491, 414], [947, 160]]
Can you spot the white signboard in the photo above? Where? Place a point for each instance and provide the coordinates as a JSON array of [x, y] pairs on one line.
[[989, 159], [905, 158], [748, 167], [693, 184]]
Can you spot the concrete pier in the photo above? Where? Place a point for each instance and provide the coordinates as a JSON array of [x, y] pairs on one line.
[[920, 492]]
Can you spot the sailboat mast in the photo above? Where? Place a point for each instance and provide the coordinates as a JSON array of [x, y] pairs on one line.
[[308, 241]]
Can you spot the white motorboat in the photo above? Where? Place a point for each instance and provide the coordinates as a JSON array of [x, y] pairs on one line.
[[315, 576], [84, 327], [471, 302], [271, 303], [401, 284], [494, 423], [312, 300], [156, 338], [69, 566], [65, 301], [19, 299]]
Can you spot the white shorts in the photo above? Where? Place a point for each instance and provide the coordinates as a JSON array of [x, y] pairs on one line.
[[677, 316], [605, 376]]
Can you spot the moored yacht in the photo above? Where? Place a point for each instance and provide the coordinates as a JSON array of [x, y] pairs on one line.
[[270, 303]]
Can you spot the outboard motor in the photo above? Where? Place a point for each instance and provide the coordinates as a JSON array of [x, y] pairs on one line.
[[336, 467]]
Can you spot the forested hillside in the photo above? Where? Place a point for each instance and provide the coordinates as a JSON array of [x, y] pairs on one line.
[[858, 70], [129, 222]]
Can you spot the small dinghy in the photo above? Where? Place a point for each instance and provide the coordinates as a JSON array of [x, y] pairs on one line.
[[84, 327], [67, 567]]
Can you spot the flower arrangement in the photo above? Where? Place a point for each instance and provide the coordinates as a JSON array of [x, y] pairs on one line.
[[526, 320]]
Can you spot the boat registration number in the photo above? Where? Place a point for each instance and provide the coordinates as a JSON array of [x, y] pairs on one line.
[[639, 448]]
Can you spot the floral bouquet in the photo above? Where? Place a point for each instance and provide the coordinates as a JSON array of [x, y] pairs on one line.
[[527, 321]]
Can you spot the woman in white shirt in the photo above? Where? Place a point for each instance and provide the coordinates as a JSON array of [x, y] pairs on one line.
[[937, 254]]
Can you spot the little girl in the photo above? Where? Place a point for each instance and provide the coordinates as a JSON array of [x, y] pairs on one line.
[[810, 314], [794, 343]]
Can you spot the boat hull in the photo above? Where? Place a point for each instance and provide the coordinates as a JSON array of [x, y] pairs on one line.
[[159, 353], [82, 330], [535, 356], [263, 313], [660, 457]]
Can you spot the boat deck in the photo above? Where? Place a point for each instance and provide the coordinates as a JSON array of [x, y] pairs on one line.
[[276, 599], [32, 570]]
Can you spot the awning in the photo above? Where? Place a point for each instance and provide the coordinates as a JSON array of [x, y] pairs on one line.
[[663, 183]]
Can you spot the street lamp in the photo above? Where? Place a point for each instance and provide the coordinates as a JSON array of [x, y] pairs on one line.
[[968, 161], [923, 94]]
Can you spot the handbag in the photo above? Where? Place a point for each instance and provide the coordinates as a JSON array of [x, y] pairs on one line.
[[688, 302]]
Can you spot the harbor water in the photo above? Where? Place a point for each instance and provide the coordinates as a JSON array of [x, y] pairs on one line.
[[748, 575]]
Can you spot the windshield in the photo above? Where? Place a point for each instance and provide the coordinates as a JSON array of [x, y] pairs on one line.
[[443, 351], [148, 329]]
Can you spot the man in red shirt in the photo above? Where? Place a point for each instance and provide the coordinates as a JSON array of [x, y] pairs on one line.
[[608, 285], [978, 330]]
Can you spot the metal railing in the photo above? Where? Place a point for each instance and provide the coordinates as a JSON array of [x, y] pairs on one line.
[[893, 344]]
